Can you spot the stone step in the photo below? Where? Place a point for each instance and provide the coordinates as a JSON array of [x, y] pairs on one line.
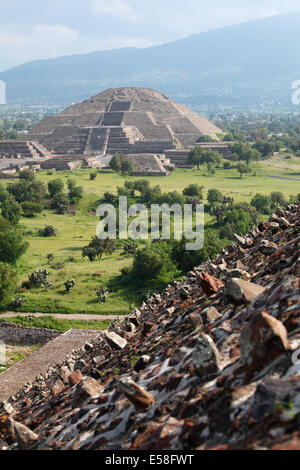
[[13, 379]]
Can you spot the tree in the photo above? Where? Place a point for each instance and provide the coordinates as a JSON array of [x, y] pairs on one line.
[[71, 183], [97, 248], [211, 158], [4, 194], [266, 148], [187, 260], [76, 194], [7, 281], [152, 261], [27, 175], [278, 199], [205, 138], [55, 186], [11, 211], [194, 157], [214, 196], [12, 246], [242, 168], [194, 190], [236, 221], [24, 190], [261, 203], [61, 202], [116, 163]]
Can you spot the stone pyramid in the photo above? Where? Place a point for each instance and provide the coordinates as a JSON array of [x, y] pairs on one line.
[[122, 120]]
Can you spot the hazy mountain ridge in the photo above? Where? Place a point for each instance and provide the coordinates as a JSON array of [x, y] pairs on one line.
[[250, 63]]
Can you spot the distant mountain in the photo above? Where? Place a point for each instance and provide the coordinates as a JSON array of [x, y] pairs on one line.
[[252, 63]]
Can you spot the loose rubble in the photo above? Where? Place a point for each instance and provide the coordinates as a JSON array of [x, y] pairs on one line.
[[207, 364]]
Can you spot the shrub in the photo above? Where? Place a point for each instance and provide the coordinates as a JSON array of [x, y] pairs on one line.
[[130, 247], [38, 278], [126, 271], [69, 284], [102, 294], [93, 176], [48, 231], [29, 209], [97, 248], [50, 258], [18, 302]]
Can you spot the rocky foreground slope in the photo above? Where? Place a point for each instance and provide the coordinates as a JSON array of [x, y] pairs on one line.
[[211, 363]]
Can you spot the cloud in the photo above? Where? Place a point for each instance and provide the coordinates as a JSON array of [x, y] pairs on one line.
[[117, 9], [49, 41]]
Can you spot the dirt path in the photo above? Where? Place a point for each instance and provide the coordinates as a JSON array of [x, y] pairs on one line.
[[283, 178], [63, 316]]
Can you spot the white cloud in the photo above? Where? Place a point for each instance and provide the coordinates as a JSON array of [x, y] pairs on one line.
[[117, 9], [49, 41]]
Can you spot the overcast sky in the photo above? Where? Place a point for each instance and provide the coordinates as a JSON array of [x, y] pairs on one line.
[[37, 29]]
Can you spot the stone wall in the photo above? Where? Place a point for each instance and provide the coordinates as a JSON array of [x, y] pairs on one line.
[[23, 335]]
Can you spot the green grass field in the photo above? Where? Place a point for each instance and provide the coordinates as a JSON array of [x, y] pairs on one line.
[[75, 231]]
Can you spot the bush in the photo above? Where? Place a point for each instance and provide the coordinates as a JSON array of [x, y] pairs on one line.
[[130, 247], [18, 302], [30, 209], [38, 278], [227, 165], [48, 231], [93, 176], [126, 271], [97, 248], [69, 284]]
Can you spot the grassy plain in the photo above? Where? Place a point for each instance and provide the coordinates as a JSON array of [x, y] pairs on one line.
[[75, 231]]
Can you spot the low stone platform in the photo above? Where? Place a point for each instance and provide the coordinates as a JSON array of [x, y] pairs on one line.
[[13, 379]]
